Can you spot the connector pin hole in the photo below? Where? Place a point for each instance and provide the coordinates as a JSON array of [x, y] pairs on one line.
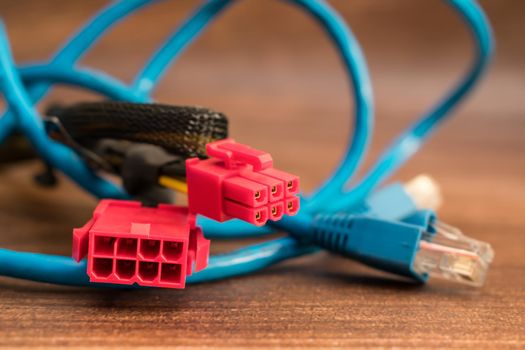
[[274, 211], [289, 185], [102, 268], [127, 248], [171, 273], [125, 268], [104, 245], [274, 189], [148, 271], [257, 195], [290, 205], [149, 248], [172, 250]]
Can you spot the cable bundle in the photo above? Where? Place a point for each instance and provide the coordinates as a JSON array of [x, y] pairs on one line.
[[24, 87]]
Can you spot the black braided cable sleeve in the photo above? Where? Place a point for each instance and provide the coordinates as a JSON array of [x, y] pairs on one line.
[[182, 130]]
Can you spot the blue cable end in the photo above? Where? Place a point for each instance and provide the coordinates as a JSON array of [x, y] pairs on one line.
[[386, 245], [419, 248]]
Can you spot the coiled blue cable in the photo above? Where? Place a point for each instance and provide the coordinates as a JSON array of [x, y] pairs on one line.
[[63, 270], [411, 140]]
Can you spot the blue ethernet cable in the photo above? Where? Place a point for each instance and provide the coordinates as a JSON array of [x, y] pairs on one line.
[[248, 261]]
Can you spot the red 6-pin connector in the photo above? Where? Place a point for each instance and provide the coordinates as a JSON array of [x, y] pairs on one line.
[[238, 181]]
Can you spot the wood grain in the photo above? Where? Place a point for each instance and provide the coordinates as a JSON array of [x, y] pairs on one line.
[[276, 76]]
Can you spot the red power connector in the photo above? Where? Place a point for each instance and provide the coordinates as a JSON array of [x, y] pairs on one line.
[[238, 181], [126, 243]]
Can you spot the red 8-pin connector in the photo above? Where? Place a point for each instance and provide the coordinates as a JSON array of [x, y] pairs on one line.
[[127, 243], [238, 181]]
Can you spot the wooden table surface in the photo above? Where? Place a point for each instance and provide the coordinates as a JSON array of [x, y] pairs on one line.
[[268, 68]]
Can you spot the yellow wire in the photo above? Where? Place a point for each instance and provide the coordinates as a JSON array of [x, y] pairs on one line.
[[174, 184]]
